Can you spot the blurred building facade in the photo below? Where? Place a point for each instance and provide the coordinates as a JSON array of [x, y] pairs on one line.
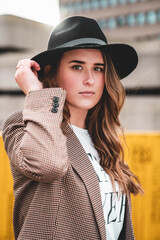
[[127, 20], [20, 38], [136, 22]]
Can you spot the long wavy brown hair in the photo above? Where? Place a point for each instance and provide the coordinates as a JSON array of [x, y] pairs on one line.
[[104, 126]]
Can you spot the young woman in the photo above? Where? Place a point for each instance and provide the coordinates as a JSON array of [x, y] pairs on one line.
[[70, 178]]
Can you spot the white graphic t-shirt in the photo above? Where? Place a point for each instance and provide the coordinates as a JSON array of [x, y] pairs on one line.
[[113, 202]]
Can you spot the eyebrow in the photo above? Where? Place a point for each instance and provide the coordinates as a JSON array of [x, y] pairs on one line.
[[81, 62]]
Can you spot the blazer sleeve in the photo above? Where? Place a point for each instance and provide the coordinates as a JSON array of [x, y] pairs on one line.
[[34, 140]]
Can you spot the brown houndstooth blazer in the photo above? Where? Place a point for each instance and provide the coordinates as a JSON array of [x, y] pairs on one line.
[[56, 190]]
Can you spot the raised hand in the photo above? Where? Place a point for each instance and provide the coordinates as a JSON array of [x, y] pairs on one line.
[[26, 75]]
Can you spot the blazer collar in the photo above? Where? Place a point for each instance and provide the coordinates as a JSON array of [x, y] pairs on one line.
[[82, 165]]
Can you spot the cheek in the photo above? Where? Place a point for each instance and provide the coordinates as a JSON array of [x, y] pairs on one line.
[[62, 79], [68, 85], [68, 82]]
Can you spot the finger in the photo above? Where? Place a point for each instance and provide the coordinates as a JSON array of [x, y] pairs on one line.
[[23, 62], [34, 65], [27, 63]]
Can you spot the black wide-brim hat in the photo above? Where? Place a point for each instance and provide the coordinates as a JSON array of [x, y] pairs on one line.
[[82, 32]]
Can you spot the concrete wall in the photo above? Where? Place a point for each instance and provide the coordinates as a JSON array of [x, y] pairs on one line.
[[20, 38], [143, 112]]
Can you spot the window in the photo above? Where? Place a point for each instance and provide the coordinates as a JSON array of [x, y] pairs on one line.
[[130, 19], [111, 23], [94, 4], [140, 18], [151, 17]]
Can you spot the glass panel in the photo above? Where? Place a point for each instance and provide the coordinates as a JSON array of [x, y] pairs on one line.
[[131, 20], [111, 23], [122, 2], [151, 17], [86, 5], [158, 15], [69, 7], [78, 6], [94, 4], [112, 3], [103, 3], [132, 1], [140, 18], [121, 20]]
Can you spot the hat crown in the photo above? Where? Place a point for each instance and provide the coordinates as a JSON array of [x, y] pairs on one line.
[[82, 32], [75, 28]]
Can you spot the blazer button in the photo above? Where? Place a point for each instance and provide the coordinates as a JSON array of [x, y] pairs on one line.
[[55, 99], [54, 110], [55, 104]]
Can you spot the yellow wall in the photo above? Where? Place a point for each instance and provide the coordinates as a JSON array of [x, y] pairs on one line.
[[143, 157], [144, 160], [6, 196]]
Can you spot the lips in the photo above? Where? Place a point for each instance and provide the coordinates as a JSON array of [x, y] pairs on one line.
[[87, 93]]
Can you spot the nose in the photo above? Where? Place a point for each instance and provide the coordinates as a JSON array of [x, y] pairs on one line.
[[88, 78]]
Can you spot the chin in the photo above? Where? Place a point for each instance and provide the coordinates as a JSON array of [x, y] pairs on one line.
[[83, 106], [88, 107]]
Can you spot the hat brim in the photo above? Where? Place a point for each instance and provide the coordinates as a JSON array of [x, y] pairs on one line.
[[124, 56]]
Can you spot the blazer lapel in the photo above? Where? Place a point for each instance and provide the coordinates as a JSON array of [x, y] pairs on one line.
[[82, 165]]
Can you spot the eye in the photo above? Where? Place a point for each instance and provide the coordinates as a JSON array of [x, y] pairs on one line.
[[99, 69], [77, 67]]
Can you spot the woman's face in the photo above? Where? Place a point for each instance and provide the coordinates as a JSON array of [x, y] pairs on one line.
[[81, 74]]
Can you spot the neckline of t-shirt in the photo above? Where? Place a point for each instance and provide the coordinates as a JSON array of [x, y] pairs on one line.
[[82, 130]]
